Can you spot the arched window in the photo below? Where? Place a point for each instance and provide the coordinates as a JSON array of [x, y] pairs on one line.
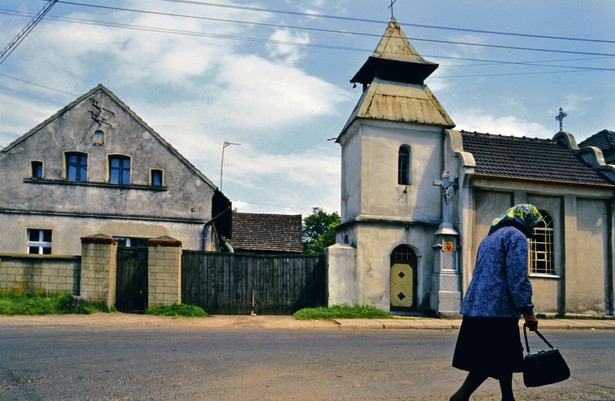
[[541, 247], [404, 172]]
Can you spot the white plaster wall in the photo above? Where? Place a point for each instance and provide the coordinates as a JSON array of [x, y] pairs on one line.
[[380, 193], [585, 275], [351, 174], [65, 244], [375, 244]]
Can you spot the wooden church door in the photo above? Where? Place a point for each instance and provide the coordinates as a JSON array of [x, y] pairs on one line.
[[403, 279]]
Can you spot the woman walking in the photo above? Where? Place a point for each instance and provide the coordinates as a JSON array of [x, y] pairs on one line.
[[488, 344]]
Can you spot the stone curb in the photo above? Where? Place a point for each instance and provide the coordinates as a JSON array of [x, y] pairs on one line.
[[446, 324]]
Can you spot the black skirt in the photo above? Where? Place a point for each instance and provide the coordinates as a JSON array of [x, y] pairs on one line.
[[490, 345]]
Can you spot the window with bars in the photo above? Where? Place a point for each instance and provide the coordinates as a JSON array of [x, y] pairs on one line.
[[541, 258]]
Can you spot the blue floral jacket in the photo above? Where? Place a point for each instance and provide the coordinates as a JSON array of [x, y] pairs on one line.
[[500, 284]]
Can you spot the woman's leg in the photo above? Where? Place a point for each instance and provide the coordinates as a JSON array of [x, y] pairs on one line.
[[506, 387], [472, 382]]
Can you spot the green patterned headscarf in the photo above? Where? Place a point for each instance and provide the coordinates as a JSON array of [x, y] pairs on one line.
[[523, 217]]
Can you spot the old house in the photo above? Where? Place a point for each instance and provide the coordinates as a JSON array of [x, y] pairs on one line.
[[266, 233], [419, 196], [96, 167]]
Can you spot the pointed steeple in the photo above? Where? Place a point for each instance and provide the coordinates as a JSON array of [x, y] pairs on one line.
[[395, 59]]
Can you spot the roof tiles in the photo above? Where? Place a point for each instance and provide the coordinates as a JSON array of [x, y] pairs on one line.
[[528, 158], [261, 232]]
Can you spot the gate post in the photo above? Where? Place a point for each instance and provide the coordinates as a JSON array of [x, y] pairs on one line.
[[164, 269], [98, 269]]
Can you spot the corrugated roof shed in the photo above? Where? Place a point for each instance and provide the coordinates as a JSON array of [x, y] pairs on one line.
[[260, 232], [528, 158]]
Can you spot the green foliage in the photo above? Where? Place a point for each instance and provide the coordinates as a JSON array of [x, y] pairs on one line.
[[341, 312], [319, 231], [43, 304], [176, 310]]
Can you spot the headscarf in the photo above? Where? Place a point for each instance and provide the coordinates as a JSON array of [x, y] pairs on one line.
[[523, 217]]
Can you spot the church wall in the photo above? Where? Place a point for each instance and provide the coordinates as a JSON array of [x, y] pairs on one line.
[[351, 177], [381, 195], [585, 275], [375, 242]]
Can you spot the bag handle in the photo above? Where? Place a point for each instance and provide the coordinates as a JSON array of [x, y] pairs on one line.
[[527, 344]]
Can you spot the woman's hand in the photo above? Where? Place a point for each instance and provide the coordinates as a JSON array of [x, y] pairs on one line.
[[531, 322]]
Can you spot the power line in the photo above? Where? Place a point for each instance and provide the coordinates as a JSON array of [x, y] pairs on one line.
[[6, 52], [354, 19], [291, 43]]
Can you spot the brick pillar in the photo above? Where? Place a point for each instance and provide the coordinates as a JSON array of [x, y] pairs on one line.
[[98, 269], [164, 275]]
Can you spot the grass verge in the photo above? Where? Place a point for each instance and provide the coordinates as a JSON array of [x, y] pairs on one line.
[[43, 304], [176, 310], [341, 312]]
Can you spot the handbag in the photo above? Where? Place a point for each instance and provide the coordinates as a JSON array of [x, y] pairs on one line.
[[545, 366]]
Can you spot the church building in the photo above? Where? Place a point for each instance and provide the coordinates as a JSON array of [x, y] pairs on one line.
[[418, 196]]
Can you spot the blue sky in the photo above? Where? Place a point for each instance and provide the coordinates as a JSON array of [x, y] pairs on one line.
[[273, 76]]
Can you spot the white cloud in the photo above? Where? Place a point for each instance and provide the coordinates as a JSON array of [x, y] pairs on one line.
[[504, 125], [282, 50]]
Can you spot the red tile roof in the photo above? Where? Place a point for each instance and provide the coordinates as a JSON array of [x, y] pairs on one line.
[[260, 232], [528, 158]]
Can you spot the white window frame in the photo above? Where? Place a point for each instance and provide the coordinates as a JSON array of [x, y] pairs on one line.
[[541, 248], [39, 244]]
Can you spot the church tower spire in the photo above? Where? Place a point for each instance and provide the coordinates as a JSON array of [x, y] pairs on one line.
[[395, 59]]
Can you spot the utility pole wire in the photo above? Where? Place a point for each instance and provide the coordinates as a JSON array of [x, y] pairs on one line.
[[6, 52]]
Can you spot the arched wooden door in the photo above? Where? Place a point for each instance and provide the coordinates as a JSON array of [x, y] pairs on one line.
[[403, 279]]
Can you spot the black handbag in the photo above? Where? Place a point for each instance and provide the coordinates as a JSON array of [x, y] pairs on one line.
[[543, 367]]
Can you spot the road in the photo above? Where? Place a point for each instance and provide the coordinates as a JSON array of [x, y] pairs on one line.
[[188, 363]]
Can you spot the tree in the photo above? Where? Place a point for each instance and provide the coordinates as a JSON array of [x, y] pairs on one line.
[[319, 231]]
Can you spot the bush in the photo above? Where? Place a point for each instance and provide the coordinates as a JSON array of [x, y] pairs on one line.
[[176, 310], [44, 304], [341, 312]]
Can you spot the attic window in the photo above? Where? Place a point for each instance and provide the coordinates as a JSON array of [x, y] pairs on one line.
[[156, 178], [36, 168], [99, 137]]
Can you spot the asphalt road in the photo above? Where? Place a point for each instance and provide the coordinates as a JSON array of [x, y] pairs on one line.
[[187, 363]]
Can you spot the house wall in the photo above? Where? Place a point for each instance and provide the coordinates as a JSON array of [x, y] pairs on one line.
[[77, 227], [39, 273], [179, 208]]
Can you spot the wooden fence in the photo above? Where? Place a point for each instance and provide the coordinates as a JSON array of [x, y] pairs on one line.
[[239, 284]]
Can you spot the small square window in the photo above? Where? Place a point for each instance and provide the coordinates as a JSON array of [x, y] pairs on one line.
[[39, 241], [36, 168]]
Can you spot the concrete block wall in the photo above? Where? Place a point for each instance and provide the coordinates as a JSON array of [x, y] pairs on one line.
[[164, 271], [39, 273], [99, 269]]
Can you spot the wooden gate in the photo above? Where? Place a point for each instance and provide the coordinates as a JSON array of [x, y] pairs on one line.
[[131, 284], [237, 284]]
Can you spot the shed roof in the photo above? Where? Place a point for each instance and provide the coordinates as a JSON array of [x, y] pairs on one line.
[[267, 232], [529, 158]]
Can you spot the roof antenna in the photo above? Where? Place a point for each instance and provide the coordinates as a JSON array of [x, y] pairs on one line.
[[391, 7]]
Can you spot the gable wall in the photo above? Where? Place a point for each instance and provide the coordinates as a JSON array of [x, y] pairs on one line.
[[134, 210]]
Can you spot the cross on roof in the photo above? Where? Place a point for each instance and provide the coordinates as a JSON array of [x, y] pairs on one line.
[[560, 118], [391, 7]]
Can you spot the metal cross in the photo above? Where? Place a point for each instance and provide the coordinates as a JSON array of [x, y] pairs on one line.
[[560, 118], [391, 7], [448, 186]]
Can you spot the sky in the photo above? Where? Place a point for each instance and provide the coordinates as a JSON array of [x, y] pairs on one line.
[[272, 77]]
